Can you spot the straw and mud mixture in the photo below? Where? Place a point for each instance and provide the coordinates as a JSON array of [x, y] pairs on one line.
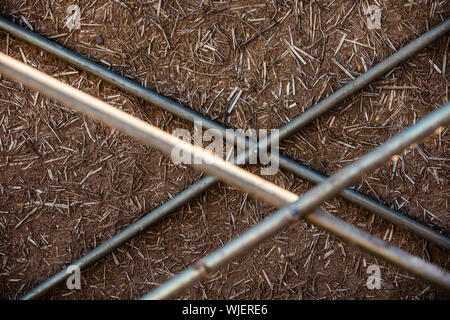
[[68, 183]]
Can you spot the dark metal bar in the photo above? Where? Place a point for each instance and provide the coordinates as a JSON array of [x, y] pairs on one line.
[[309, 201], [296, 124], [111, 77], [366, 78], [236, 176], [124, 236]]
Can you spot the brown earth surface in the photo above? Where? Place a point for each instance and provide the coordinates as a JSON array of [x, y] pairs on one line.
[[68, 184]]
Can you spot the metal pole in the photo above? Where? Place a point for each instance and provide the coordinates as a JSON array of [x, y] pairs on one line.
[[309, 201], [299, 122], [236, 176], [366, 78]]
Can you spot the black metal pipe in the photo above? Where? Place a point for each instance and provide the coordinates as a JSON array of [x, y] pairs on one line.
[[371, 205], [190, 115], [124, 236]]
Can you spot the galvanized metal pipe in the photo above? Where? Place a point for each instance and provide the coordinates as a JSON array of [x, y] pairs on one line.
[[309, 202], [179, 200], [231, 174], [299, 122]]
